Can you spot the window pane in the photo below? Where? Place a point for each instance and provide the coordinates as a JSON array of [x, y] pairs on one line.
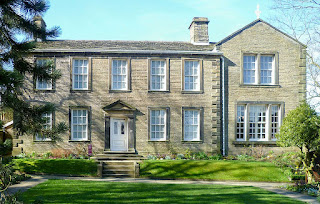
[[158, 75], [79, 124], [266, 66], [157, 124], [43, 84], [119, 75], [47, 125], [191, 75], [80, 74], [257, 122], [240, 122], [191, 125], [249, 69]]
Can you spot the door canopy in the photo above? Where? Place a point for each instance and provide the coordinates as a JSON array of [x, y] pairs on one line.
[[119, 106]]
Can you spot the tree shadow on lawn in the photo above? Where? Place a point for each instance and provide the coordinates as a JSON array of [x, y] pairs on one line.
[[208, 170], [106, 192]]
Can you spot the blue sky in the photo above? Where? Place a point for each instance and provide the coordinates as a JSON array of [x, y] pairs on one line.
[[155, 20]]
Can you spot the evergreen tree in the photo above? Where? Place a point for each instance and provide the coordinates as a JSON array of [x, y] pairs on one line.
[[17, 19]]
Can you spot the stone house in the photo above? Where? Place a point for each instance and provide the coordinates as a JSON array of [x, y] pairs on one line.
[[151, 97]]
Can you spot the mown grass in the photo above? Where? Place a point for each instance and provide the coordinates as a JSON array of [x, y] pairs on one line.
[[75, 191], [74, 167], [212, 170]]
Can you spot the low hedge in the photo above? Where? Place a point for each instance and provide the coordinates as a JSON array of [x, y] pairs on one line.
[[70, 167]]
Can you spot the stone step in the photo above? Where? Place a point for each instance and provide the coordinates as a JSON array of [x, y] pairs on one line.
[[131, 167], [118, 171], [114, 163], [118, 152], [117, 175], [118, 158], [118, 155]]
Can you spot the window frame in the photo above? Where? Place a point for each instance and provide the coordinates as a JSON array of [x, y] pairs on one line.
[[167, 124], [36, 80], [167, 74], [89, 74], [200, 123], [200, 61], [128, 81], [268, 105], [258, 55], [86, 108], [44, 138]]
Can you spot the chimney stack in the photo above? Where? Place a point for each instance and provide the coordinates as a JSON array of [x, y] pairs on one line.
[[199, 31], [38, 20]]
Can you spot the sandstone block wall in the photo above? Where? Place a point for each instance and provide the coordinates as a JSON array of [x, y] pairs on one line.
[[292, 75], [139, 97]]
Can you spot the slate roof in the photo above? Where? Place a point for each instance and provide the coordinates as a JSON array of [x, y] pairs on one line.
[[120, 45]]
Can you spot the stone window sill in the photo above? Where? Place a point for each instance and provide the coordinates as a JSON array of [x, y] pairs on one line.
[[119, 91], [192, 142], [158, 140], [259, 86], [79, 140], [258, 143], [192, 92]]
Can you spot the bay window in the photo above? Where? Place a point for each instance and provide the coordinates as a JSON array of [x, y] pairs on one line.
[[258, 121]]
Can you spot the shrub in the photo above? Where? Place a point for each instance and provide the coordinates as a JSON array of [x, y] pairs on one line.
[[167, 157], [244, 157], [200, 156], [61, 153], [215, 157], [79, 167], [180, 156], [6, 147], [151, 157]]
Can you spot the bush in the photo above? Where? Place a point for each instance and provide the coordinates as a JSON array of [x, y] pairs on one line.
[[200, 156], [215, 157], [244, 157], [6, 147], [74, 167], [180, 156]]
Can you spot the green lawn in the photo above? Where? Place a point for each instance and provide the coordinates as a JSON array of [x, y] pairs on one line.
[[74, 191], [212, 170]]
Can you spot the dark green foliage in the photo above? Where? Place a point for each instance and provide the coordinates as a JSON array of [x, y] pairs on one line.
[[75, 167], [17, 18], [72, 191], [301, 128], [6, 147]]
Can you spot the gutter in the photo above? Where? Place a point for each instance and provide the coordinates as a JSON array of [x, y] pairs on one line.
[[102, 51], [223, 101]]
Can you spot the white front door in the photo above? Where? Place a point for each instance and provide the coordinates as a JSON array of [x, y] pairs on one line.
[[119, 136]]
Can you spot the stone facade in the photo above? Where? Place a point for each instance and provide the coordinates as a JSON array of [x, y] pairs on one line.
[[139, 97], [216, 100], [288, 90]]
